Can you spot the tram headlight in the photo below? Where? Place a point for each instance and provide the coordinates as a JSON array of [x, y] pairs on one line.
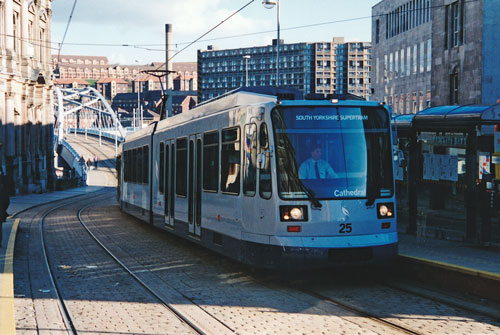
[[385, 210], [293, 213]]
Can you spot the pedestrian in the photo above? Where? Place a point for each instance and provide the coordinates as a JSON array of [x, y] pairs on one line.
[[96, 160], [4, 202], [89, 164]]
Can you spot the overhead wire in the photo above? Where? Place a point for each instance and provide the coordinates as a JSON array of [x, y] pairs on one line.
[[199, 39], [209, 31], [66, 30]]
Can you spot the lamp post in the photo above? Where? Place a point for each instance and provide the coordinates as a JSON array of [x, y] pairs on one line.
[[138, 97], [270, 4], [247, 57]]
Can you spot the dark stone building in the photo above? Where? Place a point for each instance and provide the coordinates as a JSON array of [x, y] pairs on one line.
[[432, 53]]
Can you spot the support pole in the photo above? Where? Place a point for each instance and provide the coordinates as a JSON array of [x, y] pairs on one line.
[[100, 129], [168, 68]]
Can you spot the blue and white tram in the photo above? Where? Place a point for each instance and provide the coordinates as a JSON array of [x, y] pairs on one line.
[[274, 184]]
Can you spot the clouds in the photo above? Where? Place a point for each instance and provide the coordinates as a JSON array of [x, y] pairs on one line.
[[187, 16], [141, 22]]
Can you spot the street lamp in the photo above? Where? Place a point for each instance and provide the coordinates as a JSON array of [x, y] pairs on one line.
[[247, 57], [270, 4]]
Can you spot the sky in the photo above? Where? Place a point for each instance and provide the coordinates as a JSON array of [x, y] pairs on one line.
[[102, 27]]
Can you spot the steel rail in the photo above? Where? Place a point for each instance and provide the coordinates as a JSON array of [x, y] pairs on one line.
[[358, 311], [142, 283]]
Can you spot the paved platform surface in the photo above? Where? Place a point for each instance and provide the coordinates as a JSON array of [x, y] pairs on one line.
[[463, 256], [447, 255]]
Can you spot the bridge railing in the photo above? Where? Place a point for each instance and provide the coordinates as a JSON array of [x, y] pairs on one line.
[[78, 162], [109, 133]]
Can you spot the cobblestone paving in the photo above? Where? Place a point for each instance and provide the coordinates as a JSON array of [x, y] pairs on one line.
[[217, 293], [36, 307], [411, 311], [225, 290], [100, 296]]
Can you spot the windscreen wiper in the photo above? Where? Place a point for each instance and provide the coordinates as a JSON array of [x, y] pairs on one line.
[[310, 196], [371, 194]]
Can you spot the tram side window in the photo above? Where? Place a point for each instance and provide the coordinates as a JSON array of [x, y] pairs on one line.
[[165, 176], [181, 168], [125, 166], [211, 161], [145, 164], [250, 159], [230, 161], [138, 177], [161, 168], [128, 165], [133, 171], [265, 185]]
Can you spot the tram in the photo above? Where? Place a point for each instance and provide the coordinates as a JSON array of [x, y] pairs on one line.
[[271, 183]]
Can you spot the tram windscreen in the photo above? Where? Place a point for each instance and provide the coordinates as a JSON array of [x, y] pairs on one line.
[[333, 152]]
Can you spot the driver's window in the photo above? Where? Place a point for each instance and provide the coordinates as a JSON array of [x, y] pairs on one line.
[[315, 158]]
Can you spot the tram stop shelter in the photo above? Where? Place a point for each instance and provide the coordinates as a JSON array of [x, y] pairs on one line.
[[447, 171]]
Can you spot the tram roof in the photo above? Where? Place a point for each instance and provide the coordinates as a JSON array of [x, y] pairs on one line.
[[449, 117]]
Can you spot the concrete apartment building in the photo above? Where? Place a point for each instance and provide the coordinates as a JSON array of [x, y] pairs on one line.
[[26, 116], [319, 67], [431, 53]]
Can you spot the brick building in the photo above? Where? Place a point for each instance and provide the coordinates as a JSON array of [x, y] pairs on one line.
[[71, 83], [98, 67], [109, 87]]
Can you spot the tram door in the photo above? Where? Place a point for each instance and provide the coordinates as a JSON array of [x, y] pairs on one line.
[[169, 179], [194, 187]]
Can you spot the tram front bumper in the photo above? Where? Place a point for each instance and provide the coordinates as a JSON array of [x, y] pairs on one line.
[[317, 252]]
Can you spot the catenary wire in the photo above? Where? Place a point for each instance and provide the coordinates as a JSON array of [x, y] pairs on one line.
[[66, 30]]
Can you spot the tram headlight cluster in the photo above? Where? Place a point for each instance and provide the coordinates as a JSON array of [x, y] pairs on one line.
[[293, 213], [385, 210]]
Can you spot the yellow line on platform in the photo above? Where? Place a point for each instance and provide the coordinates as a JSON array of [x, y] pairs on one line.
[[453, 267], [7, 321]]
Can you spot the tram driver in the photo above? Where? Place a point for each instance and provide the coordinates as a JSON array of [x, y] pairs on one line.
[[315, 167]]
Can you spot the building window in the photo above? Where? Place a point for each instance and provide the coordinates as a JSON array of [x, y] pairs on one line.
[[396, 64], [422, 57], [454, 87], [377, 31], [408, 60], [454, 24], [429, 55], [415, 54]]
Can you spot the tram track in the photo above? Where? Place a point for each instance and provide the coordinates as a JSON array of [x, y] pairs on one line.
[[391, 321], [383, 316], [361, 312], [69, 319], [49, 285], [96, 216], [444, 298], [151, 290]]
